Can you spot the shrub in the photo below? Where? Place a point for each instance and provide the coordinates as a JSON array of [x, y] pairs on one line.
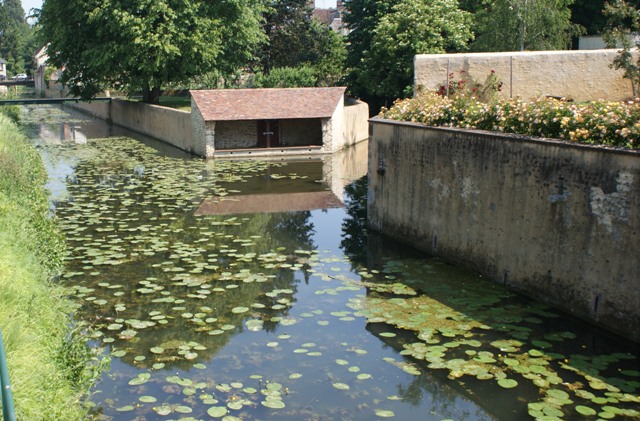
[[597, 122], [287, 77]]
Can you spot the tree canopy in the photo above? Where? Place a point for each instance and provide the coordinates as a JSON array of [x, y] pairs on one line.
[[518, 25], [299, 44], [388, 34], [140, 45], [15, 36]]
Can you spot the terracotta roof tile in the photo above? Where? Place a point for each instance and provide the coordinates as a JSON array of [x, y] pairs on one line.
[[267, 104], [268, 203]]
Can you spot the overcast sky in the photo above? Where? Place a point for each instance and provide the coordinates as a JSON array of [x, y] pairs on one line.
[[29, 4]]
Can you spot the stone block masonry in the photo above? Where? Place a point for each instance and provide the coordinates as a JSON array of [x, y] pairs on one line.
[[556, 221], [579, 75]]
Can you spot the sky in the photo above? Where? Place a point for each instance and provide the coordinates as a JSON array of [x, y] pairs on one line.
[[320, 4], [29, 4]]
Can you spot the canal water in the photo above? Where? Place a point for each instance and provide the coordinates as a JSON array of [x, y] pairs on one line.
[[230, 289]]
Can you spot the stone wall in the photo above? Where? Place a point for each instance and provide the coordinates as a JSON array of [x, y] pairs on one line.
[[356, 122], [166, 124], [580, 75], [236, 134], [556, 221]]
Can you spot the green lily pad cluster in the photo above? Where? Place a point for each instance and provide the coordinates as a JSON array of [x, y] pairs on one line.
[[189, 303]]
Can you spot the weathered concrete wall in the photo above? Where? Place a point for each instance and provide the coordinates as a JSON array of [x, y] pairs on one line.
[[356, 122], [556, 221], [580, 75], [165, 124]]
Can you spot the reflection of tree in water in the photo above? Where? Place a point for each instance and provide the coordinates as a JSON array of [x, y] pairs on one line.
[[145, 220], [448, 399], [354, 226], [291, 230]]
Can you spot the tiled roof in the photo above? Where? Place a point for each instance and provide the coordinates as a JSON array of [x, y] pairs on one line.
[[267, 104], [268, 203]]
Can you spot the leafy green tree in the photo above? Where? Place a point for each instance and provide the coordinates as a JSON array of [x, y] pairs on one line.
[[141, 45], [297, 40], [623, 23], [362, 18], [412, 27], [519, 25], [14, 36], [287, 77]]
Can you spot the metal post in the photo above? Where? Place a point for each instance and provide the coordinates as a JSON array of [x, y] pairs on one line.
[[8, 411]]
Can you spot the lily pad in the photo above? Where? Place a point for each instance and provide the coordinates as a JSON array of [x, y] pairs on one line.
[[507, 383]]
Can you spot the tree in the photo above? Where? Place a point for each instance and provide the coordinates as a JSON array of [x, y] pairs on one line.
[[362, 18], [623, 22], [140, 45], [14, 36], [519, 25], [296, 40], [412, 27]]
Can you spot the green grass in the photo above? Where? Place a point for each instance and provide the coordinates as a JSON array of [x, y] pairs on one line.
[[49, 367], [177, 102]]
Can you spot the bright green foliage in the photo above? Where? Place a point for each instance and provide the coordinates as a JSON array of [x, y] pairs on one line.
[[140, 45], [362, 17], [413, 27], [15, 34], [389, 34], [287, 77], [295, 39], [50, 367], [519, 25], [623, 21], [597, 122]]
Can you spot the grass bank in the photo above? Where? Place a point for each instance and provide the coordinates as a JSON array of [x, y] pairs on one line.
[[49, 367]]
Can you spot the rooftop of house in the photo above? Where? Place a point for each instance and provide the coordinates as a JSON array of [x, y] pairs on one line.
[[267, 104], [268, 203]]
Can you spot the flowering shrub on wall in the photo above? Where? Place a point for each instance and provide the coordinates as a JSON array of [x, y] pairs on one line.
[[596, 122]]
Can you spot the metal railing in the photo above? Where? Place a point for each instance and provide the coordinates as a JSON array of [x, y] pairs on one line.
[[8, 411]]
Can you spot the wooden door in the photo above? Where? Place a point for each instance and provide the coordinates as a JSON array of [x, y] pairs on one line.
[[268, 133]]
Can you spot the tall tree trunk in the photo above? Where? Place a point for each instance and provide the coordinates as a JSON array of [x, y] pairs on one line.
[[151, 95]]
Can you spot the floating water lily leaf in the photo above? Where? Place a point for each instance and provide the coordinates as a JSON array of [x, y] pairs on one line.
[[217, 411], [147, 399], [384, 413], [142, 378], [507, 383], [238, 310], [273, 403], [341, 386], [163, 409], [585, 410], [125, 408]]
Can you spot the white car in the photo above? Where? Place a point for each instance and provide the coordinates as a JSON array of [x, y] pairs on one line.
[[20, 76]]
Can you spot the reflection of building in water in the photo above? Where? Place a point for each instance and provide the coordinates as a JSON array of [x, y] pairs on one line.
[[346, 166], [59, 133], [317, 183]]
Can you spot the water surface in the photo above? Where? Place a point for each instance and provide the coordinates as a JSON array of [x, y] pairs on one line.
[[211, 311]]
